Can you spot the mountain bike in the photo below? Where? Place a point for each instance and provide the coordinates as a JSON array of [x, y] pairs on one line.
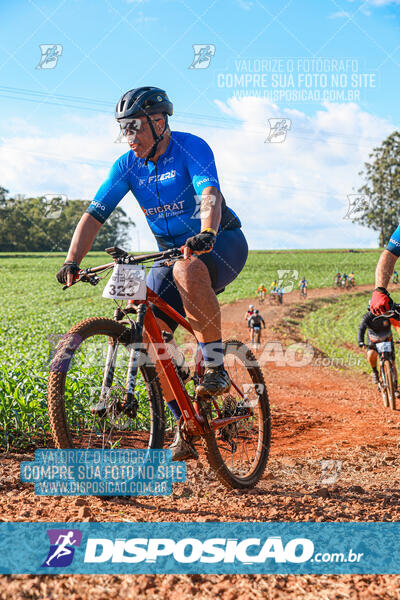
[[351, 283], [385, 348], [261, 297], [256, 335], [273, 298], [387, 379], [104, 390], [303, 291]]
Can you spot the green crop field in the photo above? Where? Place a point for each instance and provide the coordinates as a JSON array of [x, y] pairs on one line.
[[318, 266], [34, 311]]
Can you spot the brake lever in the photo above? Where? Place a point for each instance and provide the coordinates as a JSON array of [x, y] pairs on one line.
[[75, 280], [82, 275]]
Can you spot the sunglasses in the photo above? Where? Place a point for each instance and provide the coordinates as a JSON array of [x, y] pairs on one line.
[[132, 126]]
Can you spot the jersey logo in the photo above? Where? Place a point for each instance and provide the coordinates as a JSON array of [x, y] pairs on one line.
[[98, 205], [162, 177], [173, 208]]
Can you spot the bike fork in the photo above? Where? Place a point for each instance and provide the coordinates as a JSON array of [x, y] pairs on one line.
[[135, 354]]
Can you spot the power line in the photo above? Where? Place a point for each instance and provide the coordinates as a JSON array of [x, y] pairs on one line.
[[107, 107]]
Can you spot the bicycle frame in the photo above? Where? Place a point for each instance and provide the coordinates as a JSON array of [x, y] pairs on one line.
[[190, 410], [192, 419]]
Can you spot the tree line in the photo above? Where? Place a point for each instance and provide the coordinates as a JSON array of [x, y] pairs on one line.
[[379, 206], [47, 224]]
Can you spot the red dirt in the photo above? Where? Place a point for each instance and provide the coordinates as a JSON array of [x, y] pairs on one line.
[[319, 413]]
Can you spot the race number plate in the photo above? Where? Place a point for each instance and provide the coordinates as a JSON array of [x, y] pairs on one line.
[[384, 346], [127, 282]]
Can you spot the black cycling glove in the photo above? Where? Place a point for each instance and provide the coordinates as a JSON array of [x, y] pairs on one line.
[[202, 242], [69, 266]]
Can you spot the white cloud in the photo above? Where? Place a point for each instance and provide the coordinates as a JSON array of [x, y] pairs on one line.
[[289, 195], [294, 194], [245, 4], [341, 14]]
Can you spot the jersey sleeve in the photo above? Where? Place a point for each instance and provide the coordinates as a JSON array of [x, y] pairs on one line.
[[109, 194], [200, 164], [362, 328], [394, 243]]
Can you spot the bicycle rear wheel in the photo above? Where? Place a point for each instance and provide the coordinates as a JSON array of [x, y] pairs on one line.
[[238, 453], [389, 376], [76, 391]]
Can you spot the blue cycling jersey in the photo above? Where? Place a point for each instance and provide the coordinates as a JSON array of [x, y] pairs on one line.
[[166, 191], [394, 243]]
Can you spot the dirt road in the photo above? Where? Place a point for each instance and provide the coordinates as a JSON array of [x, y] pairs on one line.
[[319, 414]]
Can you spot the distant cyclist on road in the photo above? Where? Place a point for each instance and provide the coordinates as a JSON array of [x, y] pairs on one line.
[[303, 284], [250, 312], [174, 179], [338, 279], [261, 291], [254, 324]]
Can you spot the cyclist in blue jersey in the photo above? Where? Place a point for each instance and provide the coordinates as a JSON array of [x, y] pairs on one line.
[[174, 179], [380, 300]]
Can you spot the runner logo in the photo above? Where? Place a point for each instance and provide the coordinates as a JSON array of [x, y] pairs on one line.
[[61, 552], [330, 471], [204, 205], [278, 129], [202, 55], [50, 55], [286, 279], [357, 203], [53, 205]]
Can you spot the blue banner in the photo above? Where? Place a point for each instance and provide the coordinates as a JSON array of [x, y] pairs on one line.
[[123, 548]]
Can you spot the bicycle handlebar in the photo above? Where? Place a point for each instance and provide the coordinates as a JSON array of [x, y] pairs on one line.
[[393, 312], [122, 257]]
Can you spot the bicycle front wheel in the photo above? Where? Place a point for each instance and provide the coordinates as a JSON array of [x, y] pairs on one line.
[[384, 387], [87, 400], [389, 376], [238, 452]]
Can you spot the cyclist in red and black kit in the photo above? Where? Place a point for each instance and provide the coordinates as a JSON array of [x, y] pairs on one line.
[[378, 328]]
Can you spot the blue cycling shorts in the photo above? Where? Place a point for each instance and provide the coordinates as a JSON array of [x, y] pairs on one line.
[[224, 264]]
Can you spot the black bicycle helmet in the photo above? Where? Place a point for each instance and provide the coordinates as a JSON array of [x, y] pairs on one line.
[[143, 101]]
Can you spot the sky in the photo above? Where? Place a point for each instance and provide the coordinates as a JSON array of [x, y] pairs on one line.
[[325, 72]]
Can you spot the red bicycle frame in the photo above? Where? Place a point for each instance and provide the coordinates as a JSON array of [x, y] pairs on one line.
[[190, 410]]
